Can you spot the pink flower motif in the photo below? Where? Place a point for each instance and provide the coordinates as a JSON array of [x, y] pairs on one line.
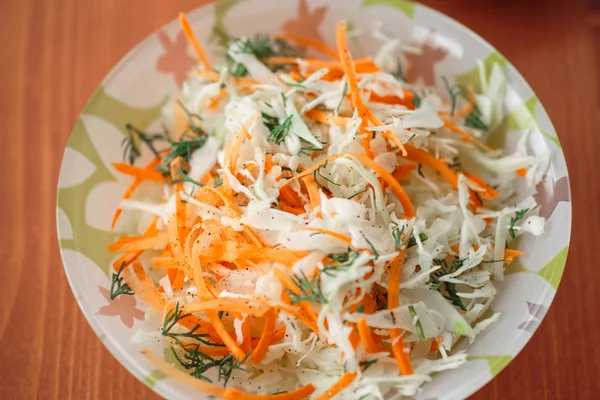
[[122, 306], [423, 65], [176, 60], [308, 22]]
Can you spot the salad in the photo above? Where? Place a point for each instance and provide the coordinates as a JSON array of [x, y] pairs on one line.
[[313, 226]]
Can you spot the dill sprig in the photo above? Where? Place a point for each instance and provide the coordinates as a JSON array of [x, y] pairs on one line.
[[192, 119], [318, 172], [117, 286], [417, 322], [371, 246], [173, 318], [344, 92], [199, 363], [413, 242], [366, 364], [280, 131], [358, 194], [132, 143], [339, 262], [182, 148], [310, 289], [474, 120], [262, 47], [518, 216], [455, 91], [185, 178], [447, 289]]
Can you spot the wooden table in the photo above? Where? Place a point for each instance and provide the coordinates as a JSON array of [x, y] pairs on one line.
[[55, 52]]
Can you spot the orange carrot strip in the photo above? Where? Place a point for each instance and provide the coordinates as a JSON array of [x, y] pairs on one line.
[[468, 138], [407, 101], [149, 294], [402, 357], [246, 335], [324, 118], [189, 32], [164, 262], [389, 179], [340, 236], [488, 192], [310, 170], [309, 42], [350, 71], [313, 191], [387, 134], [403, 171], [172, 372], [129, 192], [123, 244], [522, 172], [302, 393], [139, 173], [232, 305], [289, 195], [234, 211], [265, 339], [340, 385], [365, 336], [419, 156], [225, 336]]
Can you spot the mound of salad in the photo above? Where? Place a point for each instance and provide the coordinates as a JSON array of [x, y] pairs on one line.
[[315, 226]]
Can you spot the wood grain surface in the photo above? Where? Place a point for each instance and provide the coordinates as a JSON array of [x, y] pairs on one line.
[[53, 54]]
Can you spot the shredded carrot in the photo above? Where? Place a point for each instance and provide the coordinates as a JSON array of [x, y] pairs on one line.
[[265, 339], [350, 71], [310, 170], [130, 244], [387, 134], [172, 372], [393, 183], [246, 306], [143, 174], [313, 191], [327, 119], [522, 172], [340, 385], [403, 171], [302, 393], [247, 335], [468, 138], [402, 357], [189, 32], [366, 336], [342, 237], [131, 189], [309, 42], [486, 192]]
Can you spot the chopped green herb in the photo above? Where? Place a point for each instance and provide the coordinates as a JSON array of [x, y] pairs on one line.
[[134, 137], [117, 286], [358, 194], [417, 322], [413, 242], [310, 290], [279, 133], [371, 246], [518, 216], [366, 364], [185, 178], [172, 319], [344, 92]]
